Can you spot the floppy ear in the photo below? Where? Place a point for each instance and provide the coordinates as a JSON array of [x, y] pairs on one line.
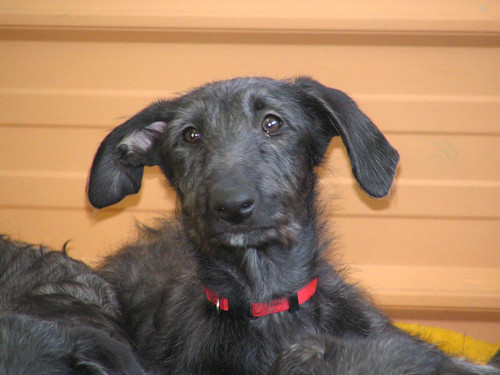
[[119, 163], [373, 159]]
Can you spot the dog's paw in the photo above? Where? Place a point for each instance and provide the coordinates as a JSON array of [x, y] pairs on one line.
[[311, 356]]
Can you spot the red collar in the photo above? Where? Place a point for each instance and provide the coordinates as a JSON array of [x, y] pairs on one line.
[[259, 309]]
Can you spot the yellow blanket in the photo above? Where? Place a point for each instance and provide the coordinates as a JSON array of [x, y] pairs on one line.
[[453, 343]]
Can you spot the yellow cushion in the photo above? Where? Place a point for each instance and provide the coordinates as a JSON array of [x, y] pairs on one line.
[[453, 343]]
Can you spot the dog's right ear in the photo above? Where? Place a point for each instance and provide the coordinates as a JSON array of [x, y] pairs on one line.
[[119, 163]]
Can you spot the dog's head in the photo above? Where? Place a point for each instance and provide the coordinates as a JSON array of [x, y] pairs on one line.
[[241, 155]]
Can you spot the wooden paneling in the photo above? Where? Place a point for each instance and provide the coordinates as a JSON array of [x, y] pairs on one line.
[[427, 75], [465, 16]]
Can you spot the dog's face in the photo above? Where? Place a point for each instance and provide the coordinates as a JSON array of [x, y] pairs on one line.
[[241, 154], [231, 151]]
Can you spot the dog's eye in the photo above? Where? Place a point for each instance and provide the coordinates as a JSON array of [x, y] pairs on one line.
[[191, 135], [271, 124]]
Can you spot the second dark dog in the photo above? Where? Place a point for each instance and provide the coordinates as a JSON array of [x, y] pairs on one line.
[[57, 316]]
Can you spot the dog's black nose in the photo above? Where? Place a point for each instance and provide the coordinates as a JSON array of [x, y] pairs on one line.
[[233, 204]]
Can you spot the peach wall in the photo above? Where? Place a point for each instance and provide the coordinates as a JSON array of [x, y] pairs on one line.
[[428, 75]]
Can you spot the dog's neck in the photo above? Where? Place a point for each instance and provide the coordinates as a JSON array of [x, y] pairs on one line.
[[248, 275]]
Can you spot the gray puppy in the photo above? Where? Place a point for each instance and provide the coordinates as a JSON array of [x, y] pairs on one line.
[[241, 274]]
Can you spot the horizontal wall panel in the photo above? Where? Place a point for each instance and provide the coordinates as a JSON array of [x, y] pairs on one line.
[[429, 157], [415, 199], [470, 201], [90, 237], [108, 108], [72, 108], [431, 242], [420, 69], [433, 287], [38, 191], [46, 149], [359, 16], [433, 114]]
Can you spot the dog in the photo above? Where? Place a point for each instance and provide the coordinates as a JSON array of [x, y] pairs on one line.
[[240, 275], [57, 316]]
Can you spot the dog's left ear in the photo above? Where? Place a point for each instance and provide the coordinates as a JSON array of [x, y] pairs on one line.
[[373, 159]]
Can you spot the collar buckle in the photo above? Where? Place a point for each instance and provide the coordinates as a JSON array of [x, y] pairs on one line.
[[217, 305]]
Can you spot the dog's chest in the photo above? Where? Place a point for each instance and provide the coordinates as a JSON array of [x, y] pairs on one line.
[[225, 345]]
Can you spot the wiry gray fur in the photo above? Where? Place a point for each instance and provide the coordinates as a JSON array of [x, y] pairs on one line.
[[241, 155], [57, 316]]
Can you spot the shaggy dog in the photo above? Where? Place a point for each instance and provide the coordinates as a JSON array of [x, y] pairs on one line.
[[241, 274], [57, 316]]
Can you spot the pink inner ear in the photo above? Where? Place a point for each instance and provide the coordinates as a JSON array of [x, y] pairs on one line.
[[159, 126], [141, 140]]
